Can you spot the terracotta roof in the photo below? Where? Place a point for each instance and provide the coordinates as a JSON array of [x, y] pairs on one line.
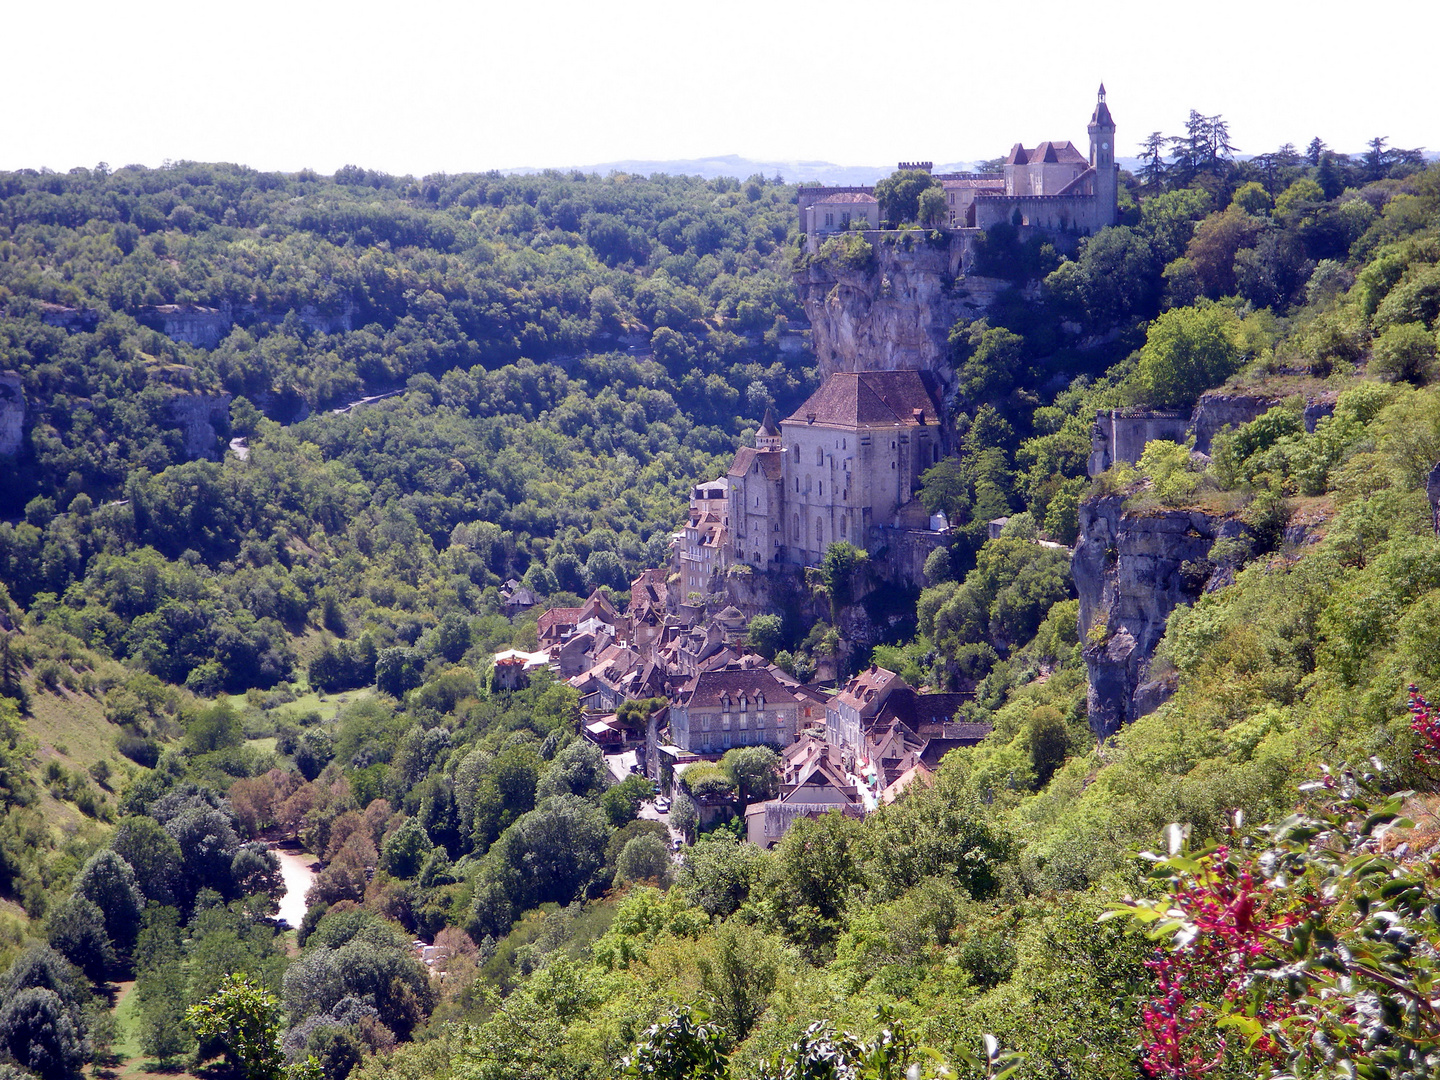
[[558, 616], [771, 462], [853, 398]]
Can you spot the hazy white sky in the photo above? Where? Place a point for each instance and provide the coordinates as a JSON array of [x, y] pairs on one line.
[[442, 85]]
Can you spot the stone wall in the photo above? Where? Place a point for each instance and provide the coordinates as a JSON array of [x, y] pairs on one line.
[[900, 554], [1121, 435], [1217, 411], [12, 414]]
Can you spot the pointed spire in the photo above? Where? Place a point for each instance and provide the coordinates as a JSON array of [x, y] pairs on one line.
[[1102, 93], [769, 426]]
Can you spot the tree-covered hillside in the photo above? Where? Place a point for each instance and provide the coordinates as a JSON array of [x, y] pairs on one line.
[[203, 657]]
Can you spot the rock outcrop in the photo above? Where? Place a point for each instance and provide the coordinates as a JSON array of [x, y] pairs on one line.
[[1131, 571], [12, 414], [897, 311], [204, 422]]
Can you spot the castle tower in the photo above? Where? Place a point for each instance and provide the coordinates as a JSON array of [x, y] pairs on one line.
[[1102, 159], [768, 437]]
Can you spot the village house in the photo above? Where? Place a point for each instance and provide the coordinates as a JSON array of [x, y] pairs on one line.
[[737, 705]]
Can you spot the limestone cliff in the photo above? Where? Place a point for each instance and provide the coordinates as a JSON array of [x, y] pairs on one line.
[[895, 311], [12, 414], [1131, 570], [204, 422]]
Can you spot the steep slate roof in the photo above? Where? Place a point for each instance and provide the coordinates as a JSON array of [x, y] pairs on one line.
[[855, 398], [710, 686], [1061, 153], [920, 712], [846, 197], [861, 690], [769, 426]]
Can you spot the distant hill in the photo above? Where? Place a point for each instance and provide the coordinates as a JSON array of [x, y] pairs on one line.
[[795, 172]]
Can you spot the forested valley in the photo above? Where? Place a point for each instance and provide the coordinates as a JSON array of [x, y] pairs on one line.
[[208, 650]]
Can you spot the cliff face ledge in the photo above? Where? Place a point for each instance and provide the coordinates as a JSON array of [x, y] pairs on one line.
[[1131, 571], [895, 313], [12, 413]]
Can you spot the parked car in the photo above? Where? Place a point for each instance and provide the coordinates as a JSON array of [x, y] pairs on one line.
[[662, 804]]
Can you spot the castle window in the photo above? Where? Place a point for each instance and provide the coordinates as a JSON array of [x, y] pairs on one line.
[[797, 483], [819, 455], [795, 453], [820, 531], [820, 488]]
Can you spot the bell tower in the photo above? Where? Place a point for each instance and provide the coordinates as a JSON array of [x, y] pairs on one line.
[[1102, 160]]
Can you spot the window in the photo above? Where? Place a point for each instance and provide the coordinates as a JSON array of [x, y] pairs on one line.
[[820, 531], [819, 455], [820, 488]]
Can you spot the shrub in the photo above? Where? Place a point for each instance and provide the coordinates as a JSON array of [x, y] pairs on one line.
[[1404, 353]]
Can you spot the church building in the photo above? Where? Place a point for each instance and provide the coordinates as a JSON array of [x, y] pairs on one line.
[[847, 461]]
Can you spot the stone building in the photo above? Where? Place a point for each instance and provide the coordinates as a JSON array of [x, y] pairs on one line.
[[843, 210], [846, 462], [1052, 187], [704, 539], [733, 706]]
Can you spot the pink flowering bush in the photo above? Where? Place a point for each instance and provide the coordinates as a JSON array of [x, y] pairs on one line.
[[1310, 948]]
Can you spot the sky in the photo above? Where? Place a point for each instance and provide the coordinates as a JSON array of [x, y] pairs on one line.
[[445, 86]]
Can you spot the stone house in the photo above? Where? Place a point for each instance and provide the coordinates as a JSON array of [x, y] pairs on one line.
[[843, 210], [733, 706]]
